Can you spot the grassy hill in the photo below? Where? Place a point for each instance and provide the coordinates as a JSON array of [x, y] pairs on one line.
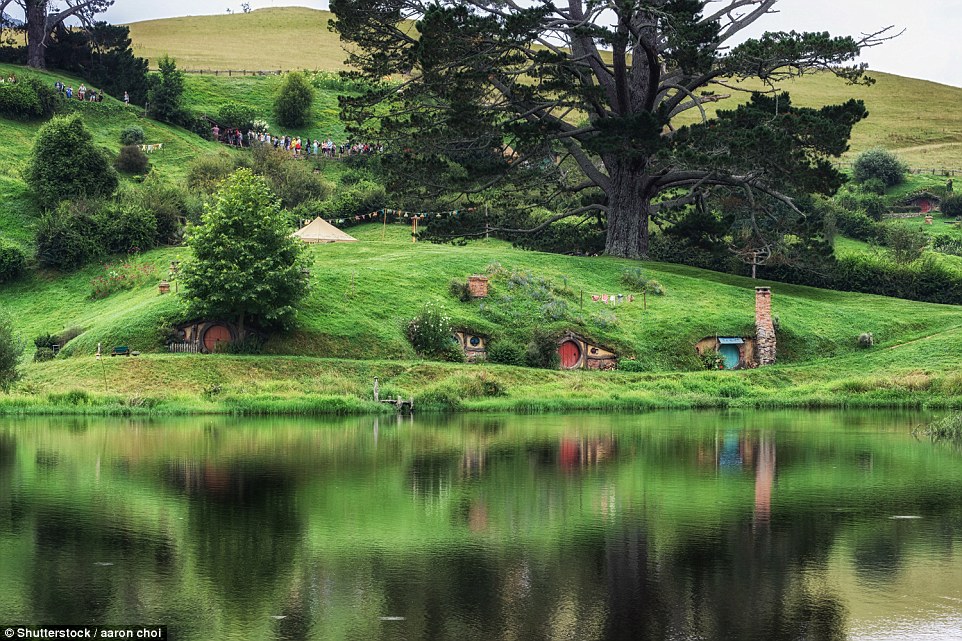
[[362, 295], [917, 118]]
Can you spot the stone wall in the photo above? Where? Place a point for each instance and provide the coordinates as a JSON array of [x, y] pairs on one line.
[[764, 327]]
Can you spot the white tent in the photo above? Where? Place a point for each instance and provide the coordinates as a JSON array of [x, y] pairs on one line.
[[321, 231]]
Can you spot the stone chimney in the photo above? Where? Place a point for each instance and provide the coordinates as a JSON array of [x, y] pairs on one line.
[[478, 285], [764, 328]]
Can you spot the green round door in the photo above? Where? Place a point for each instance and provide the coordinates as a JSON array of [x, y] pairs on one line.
[[730, 355]]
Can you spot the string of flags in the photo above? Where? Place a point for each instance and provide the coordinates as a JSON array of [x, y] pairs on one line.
[[613, 299], [399, 214]]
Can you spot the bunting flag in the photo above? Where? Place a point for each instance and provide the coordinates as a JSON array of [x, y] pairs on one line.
[[399, 215]]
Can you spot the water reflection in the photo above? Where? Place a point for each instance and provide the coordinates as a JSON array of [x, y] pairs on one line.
[[708, 526]]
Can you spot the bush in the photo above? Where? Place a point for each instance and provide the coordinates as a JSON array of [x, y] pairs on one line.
[[865, 340], [363, 198], [13, 262], [879, 164], [132, 135], [952, 206], [506, 352], [634, 279], [132, 160], [235, 116], [120, 277], [208, 172], [170, 205], [431, 334], [292, 180], [294, 101], [66, 164], [126, 229], [631, 365], [542, 351], [27, 99], [873, 206], [67, 239], [874, 186], [461, 290], [905, 244], [11, 348], [855, 224]]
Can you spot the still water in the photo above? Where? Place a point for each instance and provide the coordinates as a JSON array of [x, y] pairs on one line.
[[661, 526]]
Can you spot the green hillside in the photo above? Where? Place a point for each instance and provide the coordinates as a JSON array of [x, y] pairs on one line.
[[917, 118]]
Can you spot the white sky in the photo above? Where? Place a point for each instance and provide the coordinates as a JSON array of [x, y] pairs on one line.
[[931, 47]]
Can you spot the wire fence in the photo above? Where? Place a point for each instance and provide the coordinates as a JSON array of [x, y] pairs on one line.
[[929, 171]]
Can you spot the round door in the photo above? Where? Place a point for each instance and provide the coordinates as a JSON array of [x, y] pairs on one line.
[[570, 353], [730, 355], [214, 336]]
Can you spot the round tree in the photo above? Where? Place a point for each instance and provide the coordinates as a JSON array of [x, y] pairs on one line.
[[246, 266], [294, 101], [66, 164], [879, 165]]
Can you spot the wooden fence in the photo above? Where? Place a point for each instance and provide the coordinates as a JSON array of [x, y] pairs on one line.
[[184, 348], [931, 171], [230, 73]]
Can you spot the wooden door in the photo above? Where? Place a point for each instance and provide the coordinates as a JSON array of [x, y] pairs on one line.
[[570, 354], [215, 335]]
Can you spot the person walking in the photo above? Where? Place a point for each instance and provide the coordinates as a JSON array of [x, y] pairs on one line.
[[126, 98]]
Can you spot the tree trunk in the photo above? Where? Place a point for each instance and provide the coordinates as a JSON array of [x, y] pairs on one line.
[[628, 213], [36, 17]]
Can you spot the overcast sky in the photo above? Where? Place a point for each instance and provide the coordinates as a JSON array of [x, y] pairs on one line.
[[931, 47]]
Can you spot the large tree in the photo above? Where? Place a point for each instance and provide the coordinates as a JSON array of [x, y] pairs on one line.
[[497, 93], [246, 265], [42, 17]]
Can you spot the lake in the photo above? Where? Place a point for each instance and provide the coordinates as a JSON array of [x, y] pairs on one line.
[[673, 525]]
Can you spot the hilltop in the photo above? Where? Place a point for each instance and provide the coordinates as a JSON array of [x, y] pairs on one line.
[[918, 119]]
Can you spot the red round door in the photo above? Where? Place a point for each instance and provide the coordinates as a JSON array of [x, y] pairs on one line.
[[570, 354], [216, 334]]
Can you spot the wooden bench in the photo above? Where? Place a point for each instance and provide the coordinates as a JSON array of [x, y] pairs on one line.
[[121, 350]]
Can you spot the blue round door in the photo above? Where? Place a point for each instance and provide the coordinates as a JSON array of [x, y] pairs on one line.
[[730, 356]]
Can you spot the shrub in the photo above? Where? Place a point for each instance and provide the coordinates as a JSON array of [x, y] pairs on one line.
[[293, 181], [235, 116], [208, 172], [906, 245], [874, 186], [294, 101], [43, 354], [132, 135], [631, 365], [461, 290], [879, 164], [13, 262], [542, 351], [126, 229], [170, 205], [945, 244], [250, 345], [67, 239], [855, 224], [430, 333], [11, 348], [634, 278], [66, 164], [506, 352], [363, 198], [865, 340], [132, 160], [27, 99], [873, 206], [119, 277], [952, 206]]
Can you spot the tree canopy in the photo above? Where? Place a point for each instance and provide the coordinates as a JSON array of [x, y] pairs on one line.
[[245, 265], [582, 106], [42, 17]]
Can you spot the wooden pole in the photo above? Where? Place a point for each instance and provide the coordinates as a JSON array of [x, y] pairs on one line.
[[384, 229]]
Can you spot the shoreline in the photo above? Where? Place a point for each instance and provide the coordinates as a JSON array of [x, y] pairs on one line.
[[186, 385]]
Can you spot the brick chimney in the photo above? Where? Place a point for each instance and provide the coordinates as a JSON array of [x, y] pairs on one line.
[[478, 285], [764, 328]]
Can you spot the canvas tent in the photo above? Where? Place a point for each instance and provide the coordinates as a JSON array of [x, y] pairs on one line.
[[321, 231]]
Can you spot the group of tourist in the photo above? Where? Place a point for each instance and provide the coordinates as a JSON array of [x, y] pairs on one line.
[[82, 93], [294, 145]]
